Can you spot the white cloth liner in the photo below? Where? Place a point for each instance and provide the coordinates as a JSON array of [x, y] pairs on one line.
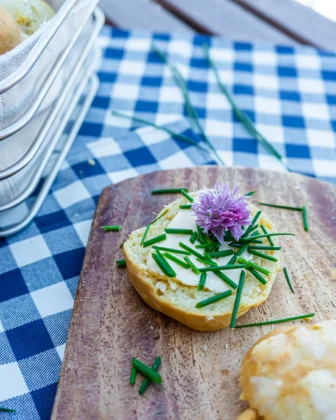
[[15, 102]]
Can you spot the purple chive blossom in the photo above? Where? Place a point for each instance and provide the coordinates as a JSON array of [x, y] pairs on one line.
[[220, 210]]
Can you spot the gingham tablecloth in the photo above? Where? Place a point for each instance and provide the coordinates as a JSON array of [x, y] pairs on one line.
[[290, 93]]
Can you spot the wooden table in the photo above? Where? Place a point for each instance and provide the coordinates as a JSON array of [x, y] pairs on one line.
[[278, 21]]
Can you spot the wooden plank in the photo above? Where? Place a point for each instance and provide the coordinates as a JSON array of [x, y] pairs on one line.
[[111, 324], [223, 17], [296, 20], [141, 14]]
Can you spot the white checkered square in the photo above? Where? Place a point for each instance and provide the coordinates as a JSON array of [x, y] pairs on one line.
[[71, 194], [30, 250], [12, 382], [53, 299]]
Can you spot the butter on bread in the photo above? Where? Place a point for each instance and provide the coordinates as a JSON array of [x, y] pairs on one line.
[[178, 300], [290, 373]]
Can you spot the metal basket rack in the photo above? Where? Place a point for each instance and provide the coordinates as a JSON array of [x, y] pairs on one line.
[[52, 143]]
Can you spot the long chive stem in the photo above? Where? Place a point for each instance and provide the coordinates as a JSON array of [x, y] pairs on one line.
[[202, 281], [269, 238], [223, 267], [226, 279], [238, 254], [146, 371], [155, 240], [113, 228], [179, 231], [187, 196], [149, 225], [133, 375], [250, 264], [161, 128], [257, 275], [146, 381], [280, 206], [207, 262], [193, 238], [191, 250], [252, 225], [201, 246], [176, 260], [224, 253], [158, 218], [249, 193], [305, 219], [237, 300], [176, 251], [185, 206], [265, 248], [181, 84], [213, 299], [7, 410], [288, 280], [262, 255], [241, 115], [192, 265], [277, 321], [168, 191], [200, 235], [163, 264], [121, 263], [253, 238]]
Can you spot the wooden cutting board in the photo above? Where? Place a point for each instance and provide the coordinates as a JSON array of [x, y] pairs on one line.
[[111, 324]]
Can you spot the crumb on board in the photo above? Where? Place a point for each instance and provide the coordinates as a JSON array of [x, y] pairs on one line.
[[91, 162]]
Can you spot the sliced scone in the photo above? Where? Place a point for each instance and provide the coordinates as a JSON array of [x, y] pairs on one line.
[[176, 291], [290, 373]]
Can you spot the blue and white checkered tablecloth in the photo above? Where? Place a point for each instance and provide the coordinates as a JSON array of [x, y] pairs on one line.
[[290, 93]]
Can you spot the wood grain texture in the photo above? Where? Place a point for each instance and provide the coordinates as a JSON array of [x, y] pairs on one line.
[[296, 20], [223, 17], [111, 323], [141, 14]]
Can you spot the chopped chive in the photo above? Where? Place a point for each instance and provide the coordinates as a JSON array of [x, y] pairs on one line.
[[121, 246], [193, 237], [187, 196], [192, 265], [207, 256], [163, 264], [252, 225], [226, 279], [7, 410], [146, 371], [191, 111], [241, 115], [223, 267], [200, 235], [257, 275], [255, 241], [161, 128], [265, 248], [305, 219], [113, 228], [155, 240], [252, 238], [133, 375], [215, 248], [176, 251], [202, 281], [213, 299], [145, 234], [185, 206], [224, 253], [249, 193], [269, 238], [280, 206], [200, 246], [168, 191], [207, 262], [261, 255], [288, 280], [175, 259], [238, 254], [191, 250], [158, 218], [255, 266], [121, 263], [146, 381], [179, 231], [237, 300], [277, 321]]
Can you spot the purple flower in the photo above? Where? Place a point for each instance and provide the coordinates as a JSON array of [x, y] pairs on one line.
[[220, 210]]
